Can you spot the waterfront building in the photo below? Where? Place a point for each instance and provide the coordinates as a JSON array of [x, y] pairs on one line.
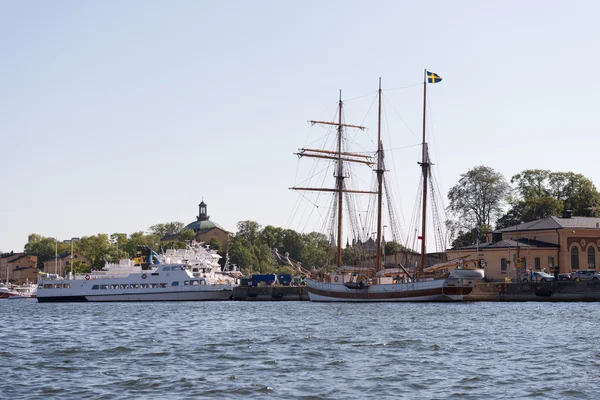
[[61, 265], [18, 268], [569, 242], [206, 229]]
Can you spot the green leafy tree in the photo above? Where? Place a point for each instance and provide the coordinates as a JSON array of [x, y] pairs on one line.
[[470, 237], [79, 267], [476, 201], [138, 239], [45, 248], [249, 230], [541, 194], [216, 245], [187, 234], [96, 248], [167, 229]]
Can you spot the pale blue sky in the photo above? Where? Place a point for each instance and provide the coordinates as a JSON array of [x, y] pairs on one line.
[[118, 115]]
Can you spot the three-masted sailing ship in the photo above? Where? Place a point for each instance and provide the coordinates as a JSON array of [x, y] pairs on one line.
[[376, 283]]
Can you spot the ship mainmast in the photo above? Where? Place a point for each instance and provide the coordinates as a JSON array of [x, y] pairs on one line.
[[425, 165], [340, 157], [380, 170]]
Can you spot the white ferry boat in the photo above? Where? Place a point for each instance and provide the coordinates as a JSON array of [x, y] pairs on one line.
[[193, 278]]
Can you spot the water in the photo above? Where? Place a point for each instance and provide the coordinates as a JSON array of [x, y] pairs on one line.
[[299, 350]]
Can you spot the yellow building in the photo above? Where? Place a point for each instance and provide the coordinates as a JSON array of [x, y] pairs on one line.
[[62, 264], [206, 229], [18, 268], [569, 242]]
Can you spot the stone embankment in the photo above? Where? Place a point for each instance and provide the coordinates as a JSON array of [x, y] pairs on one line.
[[270, 293], [536, 291]]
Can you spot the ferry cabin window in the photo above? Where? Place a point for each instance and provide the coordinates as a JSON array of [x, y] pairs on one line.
[[57, 285], [164, 285], [186, 283], [134, 286], [103, 287], [144, 286], [67, 285], [176, 283], [48, 286], [95, 287], [503, 264], [574, 258], [538, 263]]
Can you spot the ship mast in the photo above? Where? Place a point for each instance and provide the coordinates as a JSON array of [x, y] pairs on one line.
[[340, 157], [379, 183], [339, 184], [425, 171]]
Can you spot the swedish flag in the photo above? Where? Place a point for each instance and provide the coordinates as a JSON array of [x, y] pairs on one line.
[[433, 78]]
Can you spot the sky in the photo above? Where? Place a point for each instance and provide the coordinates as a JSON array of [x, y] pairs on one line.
[[115, 116]]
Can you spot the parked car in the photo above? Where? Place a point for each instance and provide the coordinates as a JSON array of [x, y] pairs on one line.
[[585, 275], [564, 277], [539, 277]]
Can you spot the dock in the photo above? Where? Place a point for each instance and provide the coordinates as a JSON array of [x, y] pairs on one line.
[[536, 291], [270, 293]]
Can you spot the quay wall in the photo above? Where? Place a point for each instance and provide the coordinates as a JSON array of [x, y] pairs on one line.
[[270, 293], [536, 291]]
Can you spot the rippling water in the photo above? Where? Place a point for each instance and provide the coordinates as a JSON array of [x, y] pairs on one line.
[[299, 350]]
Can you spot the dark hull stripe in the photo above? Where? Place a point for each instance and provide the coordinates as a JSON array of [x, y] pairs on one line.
[[62, 299]]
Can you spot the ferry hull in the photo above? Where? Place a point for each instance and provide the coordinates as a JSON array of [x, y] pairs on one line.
[[443, 290], [205, 295]]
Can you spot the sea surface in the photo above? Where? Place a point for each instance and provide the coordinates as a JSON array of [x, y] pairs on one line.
[[299, 350]]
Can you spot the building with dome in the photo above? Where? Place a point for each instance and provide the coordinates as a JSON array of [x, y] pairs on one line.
[[206, 229]]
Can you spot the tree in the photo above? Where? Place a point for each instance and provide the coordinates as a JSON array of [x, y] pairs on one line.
[[95, 248], [138, 239], [469, 237], [45, 248], [477, 200], [167, 229], [249, 230], [216, 245], [540, 194]]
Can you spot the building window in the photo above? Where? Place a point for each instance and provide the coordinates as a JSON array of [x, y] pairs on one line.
[[523, 263], [503, 264], [538, 263], [574, 257], [591, 258]]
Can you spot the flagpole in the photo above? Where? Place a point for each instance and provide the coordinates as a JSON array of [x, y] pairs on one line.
[[425, 169]]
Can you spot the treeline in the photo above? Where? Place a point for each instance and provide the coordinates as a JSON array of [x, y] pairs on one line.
[[251, 247], [483, 200]]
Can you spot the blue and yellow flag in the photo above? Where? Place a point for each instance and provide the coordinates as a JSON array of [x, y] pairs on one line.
[[433, 78]]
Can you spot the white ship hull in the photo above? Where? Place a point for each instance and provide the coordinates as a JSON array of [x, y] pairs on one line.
[[171, 282], [428, 290]]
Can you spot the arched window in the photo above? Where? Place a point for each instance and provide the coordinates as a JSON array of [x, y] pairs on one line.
[[591, 258], [574, 257]]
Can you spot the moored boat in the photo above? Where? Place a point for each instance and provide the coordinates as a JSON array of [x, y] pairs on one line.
[[151, 280], [378, 282]]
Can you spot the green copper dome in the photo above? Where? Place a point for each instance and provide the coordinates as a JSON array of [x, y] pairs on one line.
[[203, 226], [202, 223]]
